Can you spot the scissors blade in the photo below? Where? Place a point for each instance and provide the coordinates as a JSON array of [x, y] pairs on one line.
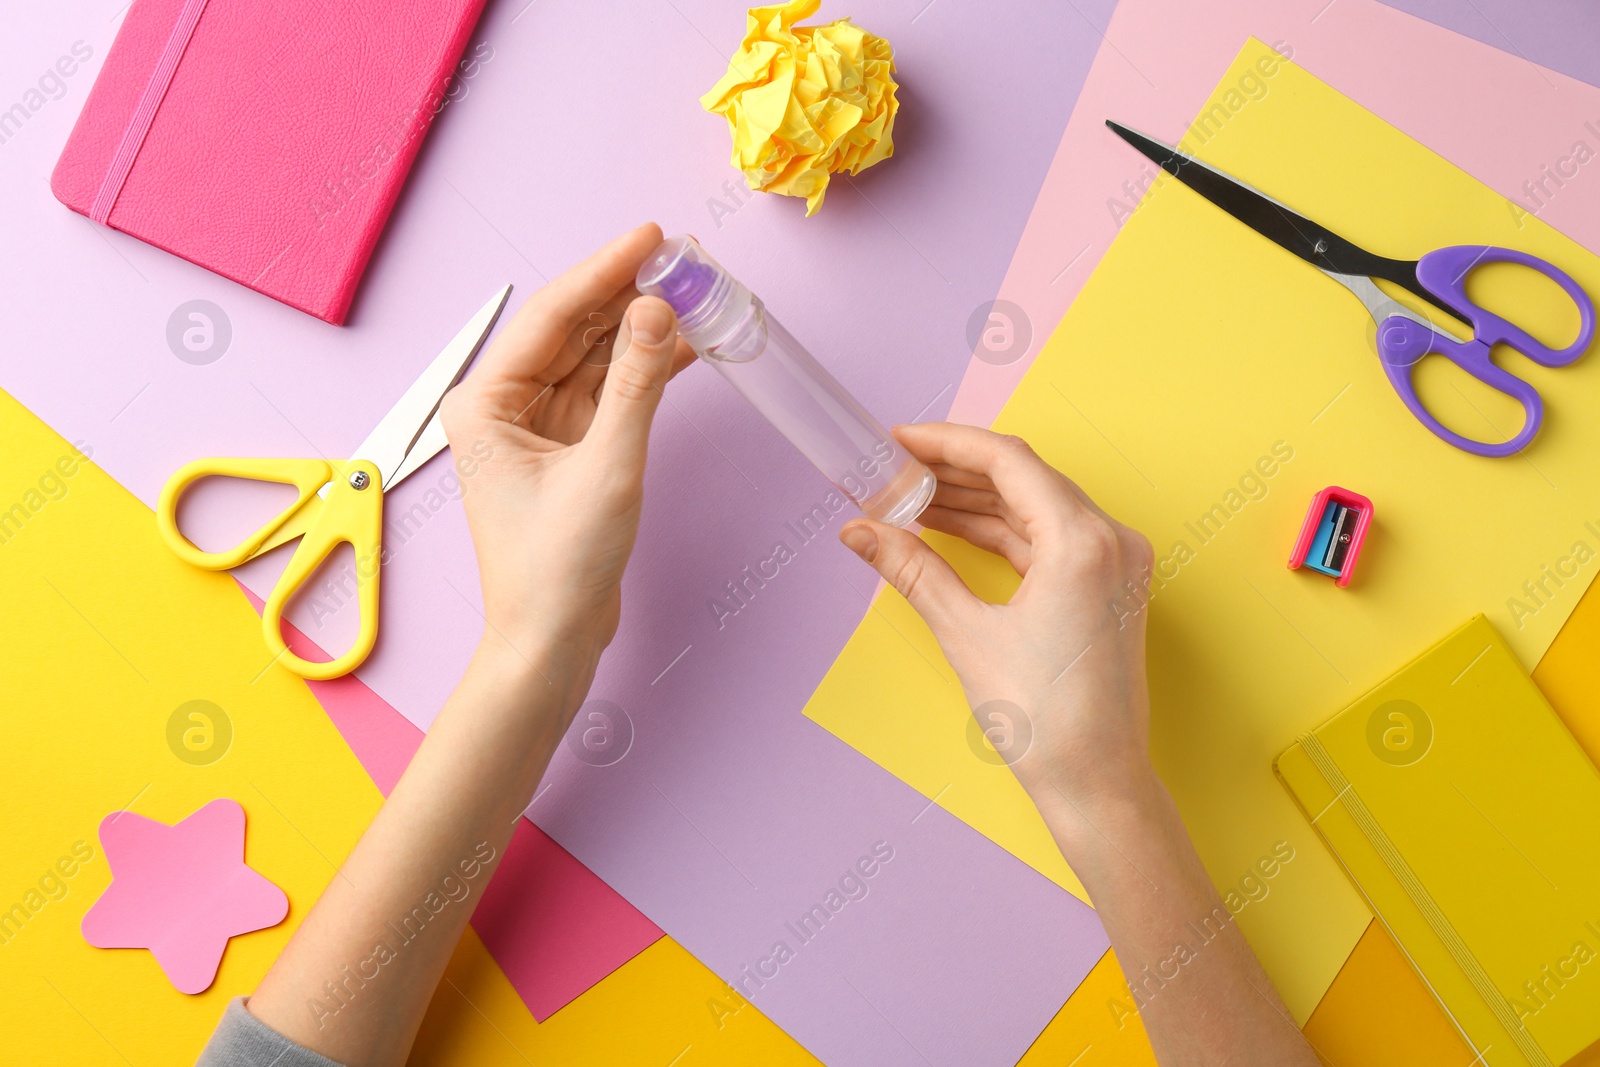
[[400, 443], [430, 442], [1274, 220]]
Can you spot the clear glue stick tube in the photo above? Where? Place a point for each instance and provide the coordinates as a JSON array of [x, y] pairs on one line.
[[730, 329]]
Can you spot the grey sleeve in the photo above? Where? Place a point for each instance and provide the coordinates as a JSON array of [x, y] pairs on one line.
[[242, 1040]]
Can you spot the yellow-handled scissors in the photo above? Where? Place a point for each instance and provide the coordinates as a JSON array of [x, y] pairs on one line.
[[335, 502]]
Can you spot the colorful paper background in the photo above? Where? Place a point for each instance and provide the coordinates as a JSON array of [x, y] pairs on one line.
[[1258, 387], [105, 633], [731, 813], [1443, 89], [551, 925], [1160, 61]]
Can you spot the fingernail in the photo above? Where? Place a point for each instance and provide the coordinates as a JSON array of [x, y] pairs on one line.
[[860, 540], [649, 321]]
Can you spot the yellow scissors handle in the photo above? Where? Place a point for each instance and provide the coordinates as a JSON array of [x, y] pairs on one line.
[[351, 513], [306, 475]]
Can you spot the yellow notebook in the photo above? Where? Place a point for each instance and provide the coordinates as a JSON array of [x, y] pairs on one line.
[[1469, 818]]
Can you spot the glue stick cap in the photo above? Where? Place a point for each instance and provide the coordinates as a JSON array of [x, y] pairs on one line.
[[710, 303]]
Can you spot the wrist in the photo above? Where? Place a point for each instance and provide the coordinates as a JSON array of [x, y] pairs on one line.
[[502, 724], [1105, 771], [1089, 817], [545, 680]]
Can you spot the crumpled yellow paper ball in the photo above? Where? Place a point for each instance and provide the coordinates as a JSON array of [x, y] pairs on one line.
[[806, 102]]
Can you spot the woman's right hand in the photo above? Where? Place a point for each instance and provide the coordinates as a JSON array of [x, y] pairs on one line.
[[1067, 652]]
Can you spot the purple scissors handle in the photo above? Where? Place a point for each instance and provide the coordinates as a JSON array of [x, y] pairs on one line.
[[1403, 341]]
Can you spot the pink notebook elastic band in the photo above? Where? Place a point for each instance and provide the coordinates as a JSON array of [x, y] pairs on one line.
[[149, 101]]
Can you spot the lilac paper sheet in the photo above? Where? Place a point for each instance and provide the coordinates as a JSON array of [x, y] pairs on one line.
[[1563, 35], [731, 815]]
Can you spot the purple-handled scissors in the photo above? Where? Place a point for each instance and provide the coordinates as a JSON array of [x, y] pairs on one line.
[[1439, 278]]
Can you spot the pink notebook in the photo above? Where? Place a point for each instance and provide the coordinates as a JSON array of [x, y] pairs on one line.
[[265, 140]]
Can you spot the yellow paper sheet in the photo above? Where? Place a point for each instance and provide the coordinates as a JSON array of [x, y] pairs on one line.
[[1379, 1014], [1199, 356], [662, 1006], [1094, 1027], [104, 634], [1569, 674]]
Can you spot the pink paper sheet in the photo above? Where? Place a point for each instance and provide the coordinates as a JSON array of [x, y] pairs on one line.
[[1563, 35], [551, 925], [1486, 110]]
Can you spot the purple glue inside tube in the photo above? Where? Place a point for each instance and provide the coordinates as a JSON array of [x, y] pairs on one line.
[[730, 329]]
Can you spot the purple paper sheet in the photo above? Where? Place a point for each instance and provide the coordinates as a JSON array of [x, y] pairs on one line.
[[730, 815], [1563, 35]]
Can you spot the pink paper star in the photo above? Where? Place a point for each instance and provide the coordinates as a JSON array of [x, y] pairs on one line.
[[181, 891]]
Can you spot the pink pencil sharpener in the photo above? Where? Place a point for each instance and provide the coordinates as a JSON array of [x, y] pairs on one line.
[[1335, 528]]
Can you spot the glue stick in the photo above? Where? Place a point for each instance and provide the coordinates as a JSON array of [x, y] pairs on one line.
[[730, 329]]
